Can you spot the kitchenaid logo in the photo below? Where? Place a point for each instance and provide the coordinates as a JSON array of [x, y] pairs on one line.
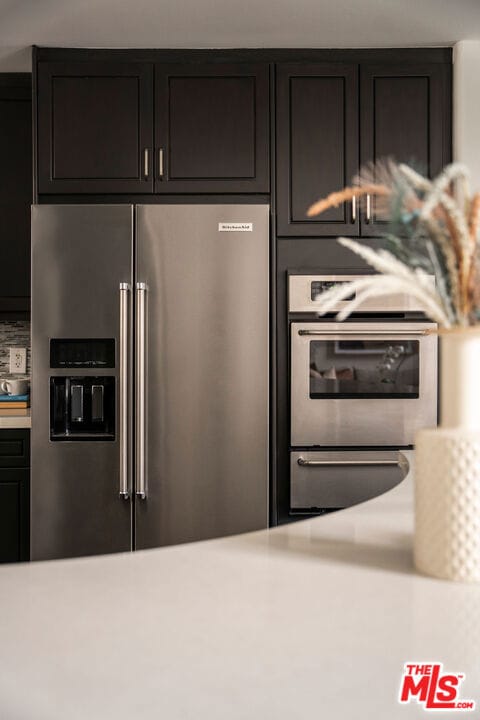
[[427, 684], [235, 227]]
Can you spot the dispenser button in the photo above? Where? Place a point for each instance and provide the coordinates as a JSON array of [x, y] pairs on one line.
[[77, 403], [97, 403]]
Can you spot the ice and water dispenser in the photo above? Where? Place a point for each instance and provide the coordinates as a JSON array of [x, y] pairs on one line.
[[82, 406]]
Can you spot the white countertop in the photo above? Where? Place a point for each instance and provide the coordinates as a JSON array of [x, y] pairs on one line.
[[15, 419], [311, 620]]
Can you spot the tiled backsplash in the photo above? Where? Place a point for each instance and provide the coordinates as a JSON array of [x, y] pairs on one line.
[[13, 333]]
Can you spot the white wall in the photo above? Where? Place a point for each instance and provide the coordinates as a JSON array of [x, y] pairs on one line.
[[235, 23], [466, 107], [15, 59]]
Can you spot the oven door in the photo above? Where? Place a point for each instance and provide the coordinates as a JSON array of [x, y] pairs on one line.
[[362, 383], [339, 479]]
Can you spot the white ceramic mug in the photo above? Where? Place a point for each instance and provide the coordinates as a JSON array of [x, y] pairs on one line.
[[15, 387]]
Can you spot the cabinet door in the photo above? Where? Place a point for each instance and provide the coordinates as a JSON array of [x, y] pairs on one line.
[[317, 146], [16, 191], [95, 127], [14, 495], [212, 128], [13, 515], [405, 115]]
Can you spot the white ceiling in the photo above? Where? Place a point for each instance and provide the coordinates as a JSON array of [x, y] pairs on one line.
[[231, 23]]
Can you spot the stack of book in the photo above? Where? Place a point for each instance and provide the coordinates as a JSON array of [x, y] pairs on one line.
[[14, 402]]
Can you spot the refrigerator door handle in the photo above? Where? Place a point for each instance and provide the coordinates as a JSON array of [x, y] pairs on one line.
[[124, 490], [140, 425]]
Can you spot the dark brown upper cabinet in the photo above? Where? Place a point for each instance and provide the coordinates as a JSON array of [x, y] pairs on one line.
[[327, 128], [211, 128], [317, 146], [16, 192], [404, 115], [95, 127]]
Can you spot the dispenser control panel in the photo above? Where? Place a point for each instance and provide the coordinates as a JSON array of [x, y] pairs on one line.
[[85, 353], [82, 408]]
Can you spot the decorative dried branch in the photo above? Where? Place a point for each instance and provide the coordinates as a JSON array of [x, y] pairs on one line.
[[438, 235], [345, 195], [474, 289], [377, 286], [449, 174], [474, 219], [391, 283], [386, 263], [417, 180], [441, 281], [434, 226], [454, 257], [382, 172]]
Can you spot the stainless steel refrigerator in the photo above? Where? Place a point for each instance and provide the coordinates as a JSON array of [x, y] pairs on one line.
[[150, 358]]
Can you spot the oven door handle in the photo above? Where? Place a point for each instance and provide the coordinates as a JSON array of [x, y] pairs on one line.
[[315, 463], [366, 333]]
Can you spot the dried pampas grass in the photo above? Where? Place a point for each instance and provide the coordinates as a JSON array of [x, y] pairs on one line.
[[346, 195], [434, 229]]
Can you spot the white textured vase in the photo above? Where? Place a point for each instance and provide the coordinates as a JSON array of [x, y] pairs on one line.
[[447, 468]]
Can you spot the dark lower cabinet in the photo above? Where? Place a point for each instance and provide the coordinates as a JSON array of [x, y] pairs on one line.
[[16, 192], [14, 495], [317, 146], [94, 127], [212, 128], [404, 115]]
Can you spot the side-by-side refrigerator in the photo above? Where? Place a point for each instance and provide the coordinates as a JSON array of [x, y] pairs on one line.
[[150, 384]]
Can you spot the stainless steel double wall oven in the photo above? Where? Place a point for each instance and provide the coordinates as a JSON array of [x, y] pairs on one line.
[[360, 390]]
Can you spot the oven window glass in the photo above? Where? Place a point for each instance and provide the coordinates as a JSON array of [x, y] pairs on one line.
[[364, 369]]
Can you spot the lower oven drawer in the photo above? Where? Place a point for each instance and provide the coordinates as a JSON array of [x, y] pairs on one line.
[[339, 479]]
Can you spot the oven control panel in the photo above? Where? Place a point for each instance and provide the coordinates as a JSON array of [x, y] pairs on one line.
[[318, 287], [304, 291]]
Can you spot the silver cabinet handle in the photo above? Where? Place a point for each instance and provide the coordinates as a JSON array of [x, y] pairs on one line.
[[146, 164], [365, 333], [123, 390], [368, 217], [140, 425], [340, 463], [354, 209], [160, 163]]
